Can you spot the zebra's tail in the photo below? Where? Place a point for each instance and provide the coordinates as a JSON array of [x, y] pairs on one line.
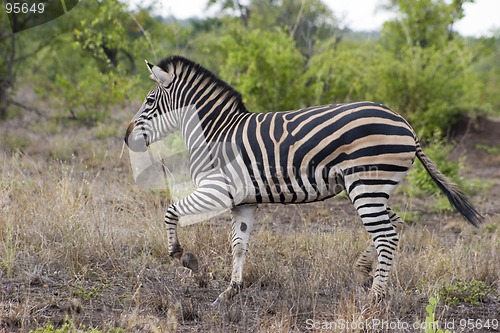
[[457, 199]]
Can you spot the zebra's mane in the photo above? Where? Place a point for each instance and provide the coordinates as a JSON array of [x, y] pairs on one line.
[[186, 64]]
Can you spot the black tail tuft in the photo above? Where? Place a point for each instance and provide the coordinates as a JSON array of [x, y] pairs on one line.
[[456, 197]]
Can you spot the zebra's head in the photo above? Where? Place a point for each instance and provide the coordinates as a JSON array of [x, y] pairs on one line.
[[154, 120]]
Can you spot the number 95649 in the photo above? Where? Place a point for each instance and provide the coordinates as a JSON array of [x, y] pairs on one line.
[[24, 8]]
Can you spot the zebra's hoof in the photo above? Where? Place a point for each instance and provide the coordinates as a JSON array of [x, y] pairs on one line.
[[190, 261], [375, 298], [363, 279], [176, 251]]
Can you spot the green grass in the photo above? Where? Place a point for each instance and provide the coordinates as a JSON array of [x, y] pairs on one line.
[[493, 150]]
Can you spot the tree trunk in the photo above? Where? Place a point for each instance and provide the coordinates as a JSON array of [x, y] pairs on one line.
[[4, 94]]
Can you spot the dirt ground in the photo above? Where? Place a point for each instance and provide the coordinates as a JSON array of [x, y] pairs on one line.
[[130, 285]]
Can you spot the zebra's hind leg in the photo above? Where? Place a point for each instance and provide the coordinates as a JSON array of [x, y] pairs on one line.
[[242, 225], [368, 259], [369, 197]]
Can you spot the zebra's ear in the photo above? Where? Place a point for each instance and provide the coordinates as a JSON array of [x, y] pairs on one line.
[[159, 75]]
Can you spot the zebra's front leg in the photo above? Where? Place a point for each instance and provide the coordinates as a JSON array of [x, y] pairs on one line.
[[364, 265], [171, 220], [194, 204], [242, 225]]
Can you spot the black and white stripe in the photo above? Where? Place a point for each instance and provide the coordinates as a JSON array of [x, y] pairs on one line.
[[239, 159]]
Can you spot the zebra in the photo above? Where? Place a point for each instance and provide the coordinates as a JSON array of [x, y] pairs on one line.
[[239, 159]]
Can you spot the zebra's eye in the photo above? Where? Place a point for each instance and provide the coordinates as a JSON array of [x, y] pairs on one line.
[[150, 101]]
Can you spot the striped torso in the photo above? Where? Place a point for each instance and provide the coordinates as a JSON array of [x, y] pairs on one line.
[[304, 155]]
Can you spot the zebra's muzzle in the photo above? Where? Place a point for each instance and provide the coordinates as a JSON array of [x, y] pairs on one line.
[[135, 141]]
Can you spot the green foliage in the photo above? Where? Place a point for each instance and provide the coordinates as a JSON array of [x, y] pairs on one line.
[[431, 86], [431, 325], [487, 68], [264, 66], [306, 21], [423, 23], [471, 292], [102, 91], [281, 55], [424, 68], [338, 74], [91, 65], [87, 294], [103, 32]]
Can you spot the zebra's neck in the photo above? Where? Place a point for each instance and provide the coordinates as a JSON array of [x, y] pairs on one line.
[[206, 109], [208, 106], [204, 123], [205, 131]]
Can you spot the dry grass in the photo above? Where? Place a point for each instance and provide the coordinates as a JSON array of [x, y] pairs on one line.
[[79, 241]]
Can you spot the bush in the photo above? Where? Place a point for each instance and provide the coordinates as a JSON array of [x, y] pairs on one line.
[[339, 74], [101, 92], [423, 69], [264, 66], [472, 292]]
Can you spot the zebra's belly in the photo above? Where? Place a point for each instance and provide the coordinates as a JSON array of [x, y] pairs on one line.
[[282, 189]]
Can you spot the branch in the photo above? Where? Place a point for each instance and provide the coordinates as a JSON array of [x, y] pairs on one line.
[[4, 36], [297, 21], [29, 108], [38, 49], [146, 34]]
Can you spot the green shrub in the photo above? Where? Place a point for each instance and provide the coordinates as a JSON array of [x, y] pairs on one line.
[[87, 294], [472, 292], [265, 68], [420, 183], [101, 92]]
